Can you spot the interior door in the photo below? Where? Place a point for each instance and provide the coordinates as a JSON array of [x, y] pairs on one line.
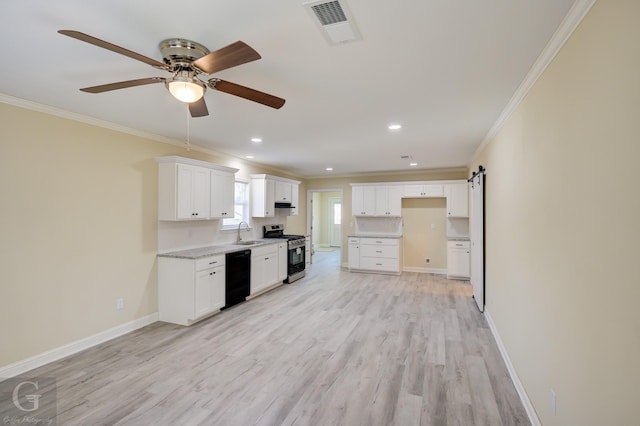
[[477, 239], [335, 222]]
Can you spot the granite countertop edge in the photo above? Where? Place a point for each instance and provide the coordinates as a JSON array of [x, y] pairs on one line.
[[374, 236], [200, 252]]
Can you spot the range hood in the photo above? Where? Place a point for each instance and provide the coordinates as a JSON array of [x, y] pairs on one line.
[[284, 206]]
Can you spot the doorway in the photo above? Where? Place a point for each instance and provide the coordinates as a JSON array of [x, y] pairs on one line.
[[324, 221]]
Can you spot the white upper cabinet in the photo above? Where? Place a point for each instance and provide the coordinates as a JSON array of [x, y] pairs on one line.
[[267, 190], [376, 200], [457, 199], [295, 199], [222, 195], [263, 196], [283, 192], [423, 190], [192, 198], [363, 200], [185, 188], [388, 200]]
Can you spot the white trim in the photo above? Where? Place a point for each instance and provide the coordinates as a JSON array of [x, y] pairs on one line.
[[528, 406], [439, 271], [58, 112], [568, 25], [193, 162], [39, 360]]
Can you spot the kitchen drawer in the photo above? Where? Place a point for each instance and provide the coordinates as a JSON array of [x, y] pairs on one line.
[[379, 251], [380, 264], [459, 244], [354, 240], [379, 241], [209, 262], [270, 249]]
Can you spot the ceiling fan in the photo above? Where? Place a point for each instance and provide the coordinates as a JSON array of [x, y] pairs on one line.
[[188, 62]]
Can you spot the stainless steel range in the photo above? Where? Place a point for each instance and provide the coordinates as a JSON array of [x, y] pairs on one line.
[[295, 251]]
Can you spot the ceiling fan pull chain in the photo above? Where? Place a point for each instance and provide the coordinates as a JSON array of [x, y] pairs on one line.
[[186, 109]]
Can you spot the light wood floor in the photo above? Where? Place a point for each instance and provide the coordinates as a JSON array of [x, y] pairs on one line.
[[335, 348]]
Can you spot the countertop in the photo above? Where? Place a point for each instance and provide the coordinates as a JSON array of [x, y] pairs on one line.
[[197, 253], [374, 236], [458, 239]]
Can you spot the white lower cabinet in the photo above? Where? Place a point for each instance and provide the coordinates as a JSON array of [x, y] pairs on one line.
[[354, 253], [190, 290], [376, 254], [458, 259], [264, 267]]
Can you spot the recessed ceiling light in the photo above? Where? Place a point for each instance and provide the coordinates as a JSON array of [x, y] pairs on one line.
[[395, 126], [256, 140], [413, 164], [329, 169], [249, 157]]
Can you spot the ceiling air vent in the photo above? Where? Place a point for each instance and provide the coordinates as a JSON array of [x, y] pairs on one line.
[[334, 19]]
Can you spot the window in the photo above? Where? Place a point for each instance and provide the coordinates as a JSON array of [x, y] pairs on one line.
[[241, 206]]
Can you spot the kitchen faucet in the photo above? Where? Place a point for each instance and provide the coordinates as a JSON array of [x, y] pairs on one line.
[[239, 225]]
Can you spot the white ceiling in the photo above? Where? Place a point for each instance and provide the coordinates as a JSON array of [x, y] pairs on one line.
[[444, 69]]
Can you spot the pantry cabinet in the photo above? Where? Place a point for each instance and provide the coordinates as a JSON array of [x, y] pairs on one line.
[[190, 189], [190, 290]]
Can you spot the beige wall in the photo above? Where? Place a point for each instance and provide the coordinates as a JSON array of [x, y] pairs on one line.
[[425, 232], [78, 229], [562, 230]]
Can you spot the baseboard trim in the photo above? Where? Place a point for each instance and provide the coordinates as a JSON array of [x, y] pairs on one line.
[[528, 406], [439, 271], [39, 360]]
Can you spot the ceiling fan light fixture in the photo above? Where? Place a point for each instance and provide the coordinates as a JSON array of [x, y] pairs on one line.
[[185, 88]]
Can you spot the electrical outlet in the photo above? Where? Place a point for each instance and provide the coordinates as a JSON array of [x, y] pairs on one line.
[[553, 402], [428, 260], [119, 304]]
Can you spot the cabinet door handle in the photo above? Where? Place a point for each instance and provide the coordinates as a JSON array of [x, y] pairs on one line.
[[213, 263], [378, 251]]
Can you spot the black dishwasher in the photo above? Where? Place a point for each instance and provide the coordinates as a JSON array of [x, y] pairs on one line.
[[237, 277]]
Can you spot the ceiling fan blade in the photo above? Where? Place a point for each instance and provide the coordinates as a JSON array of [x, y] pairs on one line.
[[237, 53], [109, 46], [247, 93], [122, 85], [198, 108]]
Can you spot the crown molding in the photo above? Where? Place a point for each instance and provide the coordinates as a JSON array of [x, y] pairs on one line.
[[568, 25]]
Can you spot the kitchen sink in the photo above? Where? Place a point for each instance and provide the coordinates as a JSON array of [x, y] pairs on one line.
[[245, 242]]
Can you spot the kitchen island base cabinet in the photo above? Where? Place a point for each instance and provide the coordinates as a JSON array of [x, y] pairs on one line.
[[380, 255], [190, 290]]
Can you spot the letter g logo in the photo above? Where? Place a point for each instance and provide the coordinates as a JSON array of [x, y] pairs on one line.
[[33, 398]]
